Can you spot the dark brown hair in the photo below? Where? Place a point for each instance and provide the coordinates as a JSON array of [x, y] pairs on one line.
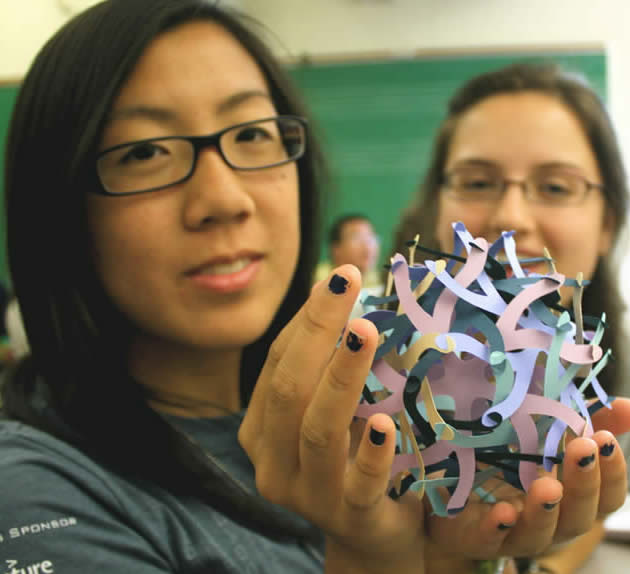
[[78, 337]]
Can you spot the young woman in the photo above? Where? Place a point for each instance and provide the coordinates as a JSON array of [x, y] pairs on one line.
[[530, 148], [161, 204]]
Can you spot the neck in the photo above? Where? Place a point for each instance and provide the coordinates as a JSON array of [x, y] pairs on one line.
[[186, 382]]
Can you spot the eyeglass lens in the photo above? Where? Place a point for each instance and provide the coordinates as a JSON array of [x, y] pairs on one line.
[[543, 186], [160, 162]]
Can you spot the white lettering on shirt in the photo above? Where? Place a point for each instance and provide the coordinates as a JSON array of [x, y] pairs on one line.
[[45, 567], [41, 527]]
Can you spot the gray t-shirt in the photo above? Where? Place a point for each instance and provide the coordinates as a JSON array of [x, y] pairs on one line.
[[61, 512]]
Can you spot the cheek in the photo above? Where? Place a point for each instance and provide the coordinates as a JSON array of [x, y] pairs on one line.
[[449, 213], [124, 244], [474, 217], [281, 206], [573, 244]]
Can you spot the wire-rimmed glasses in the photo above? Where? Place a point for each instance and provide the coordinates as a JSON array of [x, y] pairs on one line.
[[553, 186]]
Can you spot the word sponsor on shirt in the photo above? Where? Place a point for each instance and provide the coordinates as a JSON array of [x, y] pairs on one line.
[[38, 528], [45, 567]]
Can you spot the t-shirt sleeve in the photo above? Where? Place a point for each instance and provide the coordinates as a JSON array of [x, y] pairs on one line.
[[59, 516]]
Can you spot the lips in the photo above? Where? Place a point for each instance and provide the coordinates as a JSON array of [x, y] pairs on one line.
[[225, 275], [225, 265], [225, 268]]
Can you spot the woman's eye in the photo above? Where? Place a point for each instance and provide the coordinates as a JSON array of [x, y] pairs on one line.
[[478, 184], [554, 188], [142, 152], [253, 134]]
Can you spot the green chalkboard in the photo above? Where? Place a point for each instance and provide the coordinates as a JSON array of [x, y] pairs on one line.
[[8, 93], [378, 119]]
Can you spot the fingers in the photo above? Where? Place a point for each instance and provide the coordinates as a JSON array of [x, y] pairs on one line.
[[324, 435], [613, 473], [366, 480], [477, 532], [536, 526], [581, 480], [616, 420], [297, 358]]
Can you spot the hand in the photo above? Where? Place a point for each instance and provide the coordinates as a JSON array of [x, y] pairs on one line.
[[551, 512], [296, 432]]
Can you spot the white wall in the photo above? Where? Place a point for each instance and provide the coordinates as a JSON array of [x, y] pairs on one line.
[[24, 27]]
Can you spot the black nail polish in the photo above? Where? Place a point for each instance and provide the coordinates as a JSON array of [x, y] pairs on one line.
[[549, 505], [338, 284], [503, 526], [354, 342], [607, 449], [584, 462], [377, 437]]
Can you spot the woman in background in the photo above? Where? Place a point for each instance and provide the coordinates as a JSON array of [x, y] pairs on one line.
[[530, 148]]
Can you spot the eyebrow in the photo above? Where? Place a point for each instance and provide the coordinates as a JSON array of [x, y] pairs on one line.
[[165, 115], [480, 162]]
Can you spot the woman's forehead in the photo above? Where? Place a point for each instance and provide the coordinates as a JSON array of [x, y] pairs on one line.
[[196, 60], [522, 131]]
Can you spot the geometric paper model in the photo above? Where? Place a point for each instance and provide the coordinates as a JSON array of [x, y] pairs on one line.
[[481, 369]]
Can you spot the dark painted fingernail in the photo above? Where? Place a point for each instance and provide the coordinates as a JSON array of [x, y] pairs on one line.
[[354, 342], [607, 449], [338, 284], [377, 437], [550, 505], [586, 461], [503, 526]]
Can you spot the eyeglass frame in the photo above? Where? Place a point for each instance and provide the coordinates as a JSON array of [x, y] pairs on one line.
[[522, 183], [199, 143]]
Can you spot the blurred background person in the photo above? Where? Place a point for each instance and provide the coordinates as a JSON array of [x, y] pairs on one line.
[[352, 239]]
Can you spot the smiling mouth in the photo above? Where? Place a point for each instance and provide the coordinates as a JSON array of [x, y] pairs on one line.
[[225, 268]]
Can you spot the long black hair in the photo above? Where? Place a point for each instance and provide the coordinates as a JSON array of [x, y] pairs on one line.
[[603, 294], [78, 338]]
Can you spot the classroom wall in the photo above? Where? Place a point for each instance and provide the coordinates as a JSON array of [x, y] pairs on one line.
[[26, 24]]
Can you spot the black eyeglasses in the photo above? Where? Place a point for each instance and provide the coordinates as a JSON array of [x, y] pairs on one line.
[[548, 186], [156, 163]]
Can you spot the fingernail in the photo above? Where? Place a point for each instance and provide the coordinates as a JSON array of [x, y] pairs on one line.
[[338, 284], [503, 526], [607, 449], [354, 342], [377, 438], [550, 505], [586, 462]]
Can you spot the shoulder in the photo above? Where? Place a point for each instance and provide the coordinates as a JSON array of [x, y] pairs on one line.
[[61, 506], [26, 449], [31, 458]]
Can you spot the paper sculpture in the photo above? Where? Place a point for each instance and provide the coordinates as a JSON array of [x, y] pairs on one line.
[[482, 370]]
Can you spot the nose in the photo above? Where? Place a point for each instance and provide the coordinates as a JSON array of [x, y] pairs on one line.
[[215, 193], [512, 212]]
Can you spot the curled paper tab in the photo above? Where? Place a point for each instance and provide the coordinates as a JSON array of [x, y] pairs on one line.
[[477, 367]]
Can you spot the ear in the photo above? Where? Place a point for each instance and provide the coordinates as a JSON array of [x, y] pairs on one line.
[[607, 235]]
